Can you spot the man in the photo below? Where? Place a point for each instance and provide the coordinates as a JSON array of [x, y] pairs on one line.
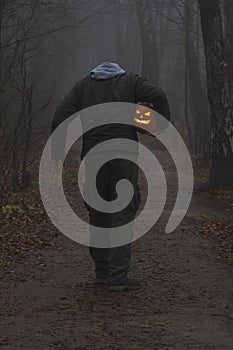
[[110, 83]]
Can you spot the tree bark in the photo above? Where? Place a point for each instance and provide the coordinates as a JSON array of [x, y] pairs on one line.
[[228, 10], [219, 94], [150, 64], [198, 101], [186, 71]]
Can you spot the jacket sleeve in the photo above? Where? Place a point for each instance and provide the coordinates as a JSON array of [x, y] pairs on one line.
[[68, 106], [145, 91]]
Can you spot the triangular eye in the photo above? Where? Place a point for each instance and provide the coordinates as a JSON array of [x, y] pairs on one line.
[[148, 114], [138, 112]]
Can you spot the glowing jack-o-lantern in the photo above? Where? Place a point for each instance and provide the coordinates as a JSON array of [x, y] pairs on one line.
[[145, 119]]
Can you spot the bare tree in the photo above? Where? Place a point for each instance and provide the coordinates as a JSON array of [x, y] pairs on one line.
[[219, 93], [196, 103], [228, 11], [150, 63], [24, 28]]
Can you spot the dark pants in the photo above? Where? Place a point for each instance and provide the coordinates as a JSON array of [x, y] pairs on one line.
[[113, 263]]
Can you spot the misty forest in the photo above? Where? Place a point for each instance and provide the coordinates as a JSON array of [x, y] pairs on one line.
[[186, 48]]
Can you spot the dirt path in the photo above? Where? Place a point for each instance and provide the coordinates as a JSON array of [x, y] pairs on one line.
[[49, 300]]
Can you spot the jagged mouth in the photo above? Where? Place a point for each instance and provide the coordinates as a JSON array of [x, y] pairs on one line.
[[142, 121]]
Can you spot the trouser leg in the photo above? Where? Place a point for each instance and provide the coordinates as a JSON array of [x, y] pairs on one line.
[[114, 262], [100, 256], [120, 257], [98, 220], [119, 263]]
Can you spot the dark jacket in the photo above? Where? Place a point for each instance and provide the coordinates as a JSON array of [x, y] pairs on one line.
[[88, 92]]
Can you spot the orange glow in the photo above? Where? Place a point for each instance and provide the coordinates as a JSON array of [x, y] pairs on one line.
[[142, 121]]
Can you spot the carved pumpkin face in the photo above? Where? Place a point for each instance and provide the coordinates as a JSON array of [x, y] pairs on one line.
[[145, 117], [142, 118]]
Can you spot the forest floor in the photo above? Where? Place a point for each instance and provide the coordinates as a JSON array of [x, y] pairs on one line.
[[49, 300]]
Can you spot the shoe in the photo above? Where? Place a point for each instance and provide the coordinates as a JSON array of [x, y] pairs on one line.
[[126, 286], [101, 281]]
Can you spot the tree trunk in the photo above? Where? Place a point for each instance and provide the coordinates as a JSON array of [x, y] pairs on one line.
[[150, 64], [121, 31], [198, 101], [228, 10], [1, 87], [219, 93], [186, 71]]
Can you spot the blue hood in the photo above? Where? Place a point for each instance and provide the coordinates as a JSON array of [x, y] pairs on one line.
[[107, 70]]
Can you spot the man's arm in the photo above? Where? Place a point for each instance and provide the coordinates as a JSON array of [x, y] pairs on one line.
[[145, 91], [68, 106]]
